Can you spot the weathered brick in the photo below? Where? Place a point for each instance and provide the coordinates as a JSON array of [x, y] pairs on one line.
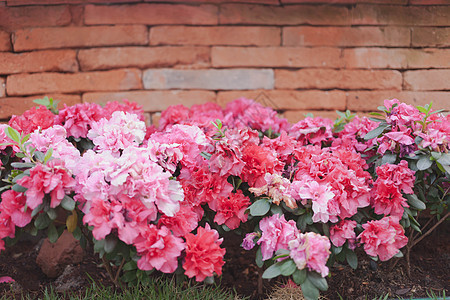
[[2, 87], [431, 37], [370, 100], [38, 61], [155, 117], [5, 41], [427, 80], [293, 116], [346, 36], [206, 36], [151, 14], [346, 1], [293, 57], [382, 58], [209, 79], [289, 99], [143, 57], [18, 105], [338, 79], [284, 15], [54, 2], [154, 100], [13, 18], [116, 80], [428, 2], [367, 14], [270, 2], [66, 37]]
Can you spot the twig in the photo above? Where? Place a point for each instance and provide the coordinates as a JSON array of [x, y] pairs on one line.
[[430, 230], [119, 269], [108, 269]]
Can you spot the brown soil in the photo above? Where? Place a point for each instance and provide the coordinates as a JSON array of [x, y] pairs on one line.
[[430, 271]]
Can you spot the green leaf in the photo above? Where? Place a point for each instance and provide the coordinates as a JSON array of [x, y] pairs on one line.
[[39, 155], [288, 267], [299, 276], [272, 271], [68, 203], [110, 243], [388, 158], [443, 168], [337, 250], [37, 210], [52, 233], [444, 159], [275, 209], [77, 233], [424, 163], [48, 155], [51, 212], [260, 207], [45, 101], [131, 265], [310, 291], [376, 132], [129, 276], [318, 281], [258, 258], [19, 165], [414, 201], [12, 134], [352, 259], [42, 221], [18, 188]]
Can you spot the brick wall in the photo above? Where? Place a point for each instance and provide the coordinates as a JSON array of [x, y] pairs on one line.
[[296, 55]]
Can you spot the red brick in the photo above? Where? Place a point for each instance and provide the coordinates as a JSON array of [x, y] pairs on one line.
[[275, 57], [54, 2], [366, 14], [144, 57], [13, 18], [289, 99], [155, 117], [429, 2], [151, 14], [206, 36], [346, 1], [117, 80], [270, 2], [431, 37], [427, 80], [2, 87], [18, 105], [338, 79], [5, 41], [38, 61], [346, 36], [154, 100], [382, 58], [66, 37], [370, 100], [293, 116], [284, 15]]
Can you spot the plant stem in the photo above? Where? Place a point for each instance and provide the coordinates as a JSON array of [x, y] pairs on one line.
[[430, 230], [119, 269]]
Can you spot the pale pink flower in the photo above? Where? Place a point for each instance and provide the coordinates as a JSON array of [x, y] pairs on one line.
[[14, 205], [276, 233]]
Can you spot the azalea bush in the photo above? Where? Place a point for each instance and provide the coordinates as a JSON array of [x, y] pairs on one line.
[[158, 199]]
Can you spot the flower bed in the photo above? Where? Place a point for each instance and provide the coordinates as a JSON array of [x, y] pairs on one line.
[[306, 195]]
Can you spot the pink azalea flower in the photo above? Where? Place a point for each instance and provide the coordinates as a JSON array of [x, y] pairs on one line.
[[204, 257], [310, 250], [159, 249], [32, 119], [52, 179], [312, 130], [383, 238], [78, 119], [320, 195], [13, 204], [276, 233], [231, 210], [343, 231], [183, 222], [277, 188], [6, 279]]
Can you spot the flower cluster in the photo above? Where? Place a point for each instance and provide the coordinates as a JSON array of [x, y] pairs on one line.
[[311, 190]]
